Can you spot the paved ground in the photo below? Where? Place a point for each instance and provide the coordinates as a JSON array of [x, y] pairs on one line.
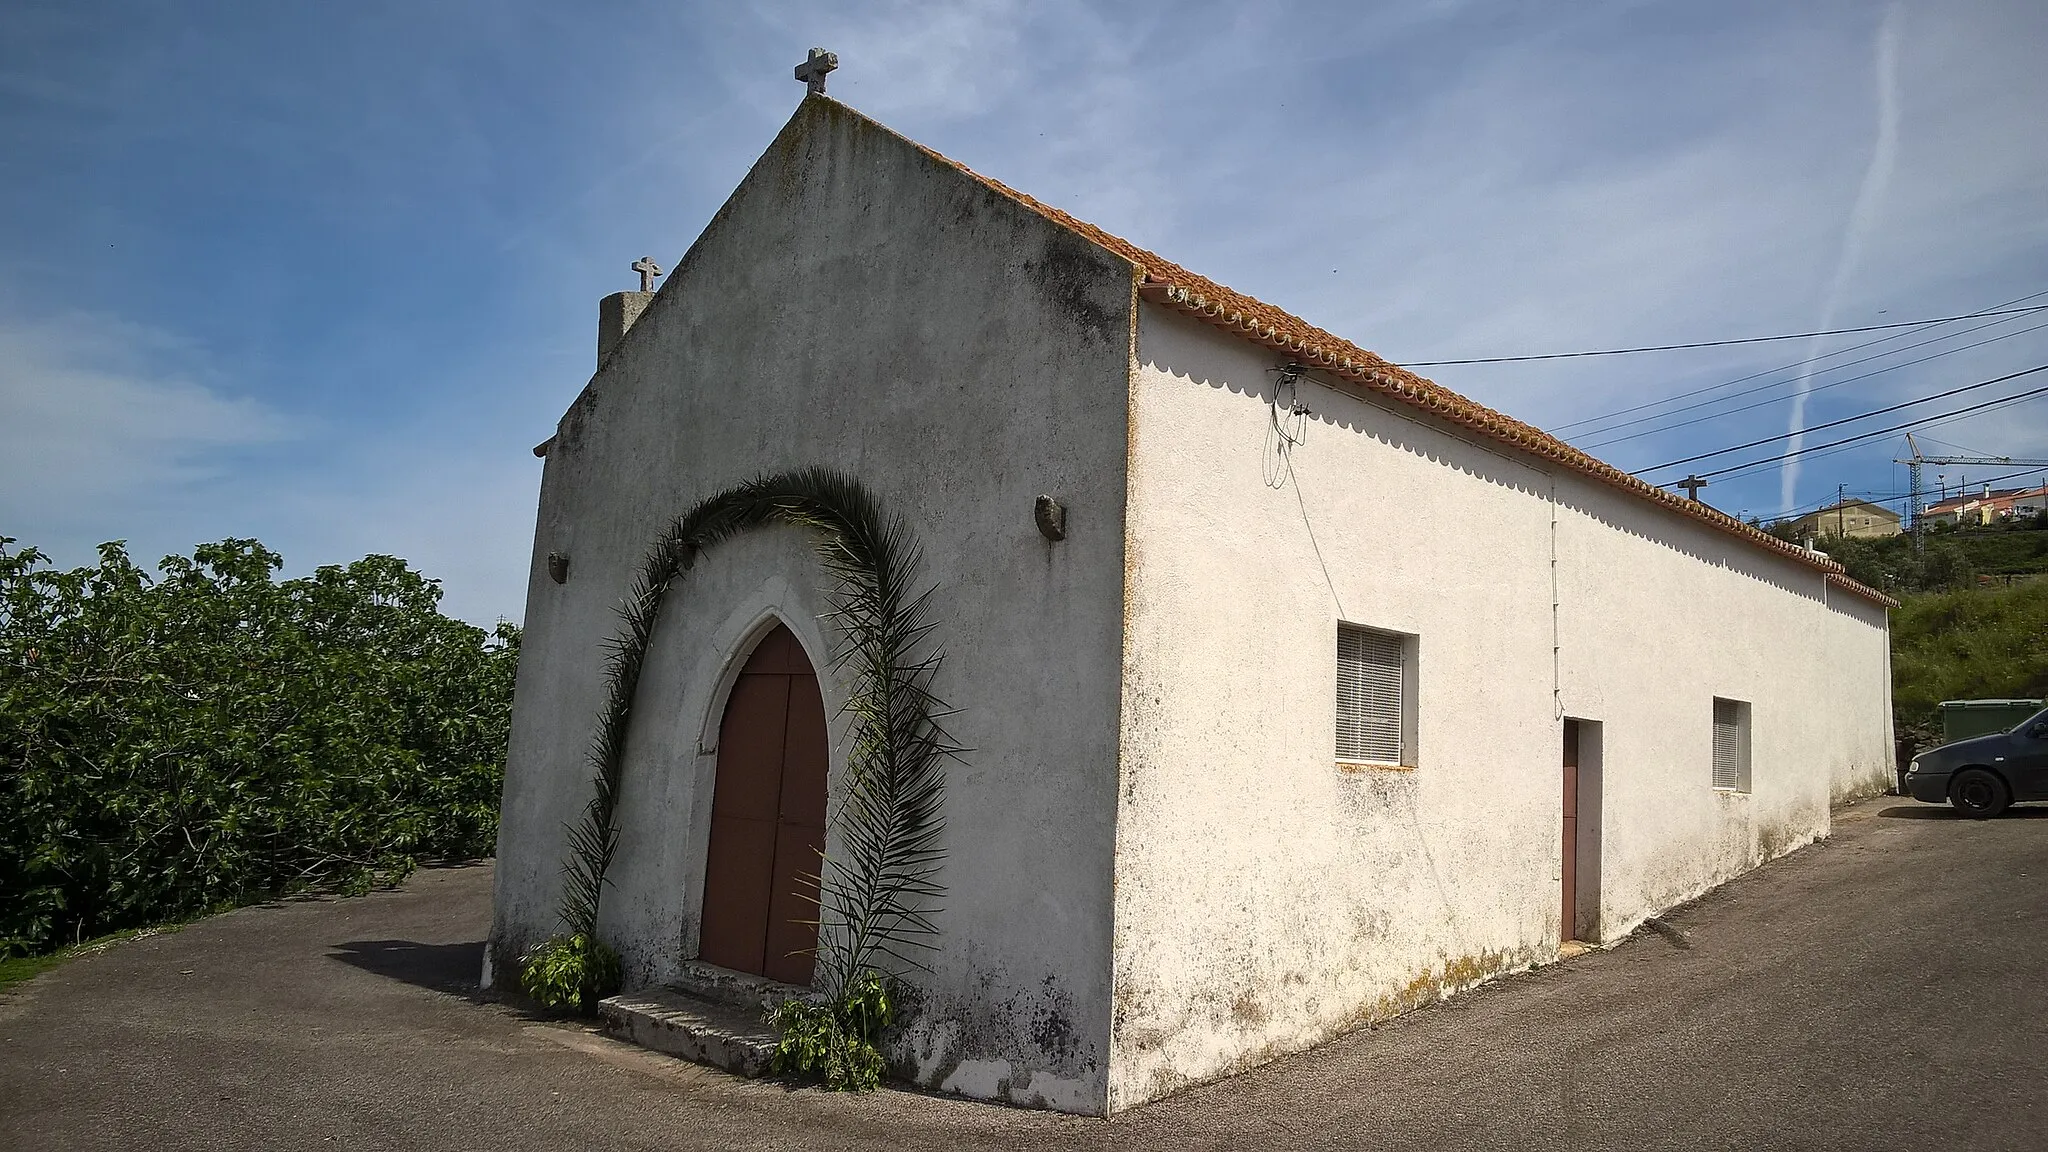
[[1886, 989]]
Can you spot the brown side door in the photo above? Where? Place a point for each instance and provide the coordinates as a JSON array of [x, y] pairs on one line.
[[767, 818], [1569, 929]]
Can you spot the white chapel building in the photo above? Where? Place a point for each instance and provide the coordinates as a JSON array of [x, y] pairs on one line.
[[1314, 693]]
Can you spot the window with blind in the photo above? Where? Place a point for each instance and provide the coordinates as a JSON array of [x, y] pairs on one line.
[[1375, 696], [1731, 745]]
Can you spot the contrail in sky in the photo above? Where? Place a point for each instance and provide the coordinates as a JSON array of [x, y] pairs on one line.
[[1876, 178]]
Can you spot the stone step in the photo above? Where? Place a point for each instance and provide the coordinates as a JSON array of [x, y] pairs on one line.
[[723, 1035], [739, 989]]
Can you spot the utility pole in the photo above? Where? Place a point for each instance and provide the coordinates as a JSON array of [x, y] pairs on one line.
[[1841, 499]]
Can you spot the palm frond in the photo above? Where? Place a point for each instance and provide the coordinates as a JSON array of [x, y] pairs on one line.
[[883, 887]]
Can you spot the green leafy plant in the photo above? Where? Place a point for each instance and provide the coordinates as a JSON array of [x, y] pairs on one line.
[[837, 1043], [570, 973], [876, 895], [178, 742]]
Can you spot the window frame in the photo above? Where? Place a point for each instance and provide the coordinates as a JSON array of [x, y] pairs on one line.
[[1743, 741], [1407, 646]]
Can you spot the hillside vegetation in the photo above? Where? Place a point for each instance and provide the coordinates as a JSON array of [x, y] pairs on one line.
[[1981, 644], [208, 735], [1973, 621], [1974, 617], [1950, 557]]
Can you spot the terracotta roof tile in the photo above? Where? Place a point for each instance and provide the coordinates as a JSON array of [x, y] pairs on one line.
[[1174, 286]]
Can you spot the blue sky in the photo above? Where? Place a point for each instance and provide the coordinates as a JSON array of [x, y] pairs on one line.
[[324, 274]]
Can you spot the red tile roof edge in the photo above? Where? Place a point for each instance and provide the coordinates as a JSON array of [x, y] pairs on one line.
[[1252, 319]]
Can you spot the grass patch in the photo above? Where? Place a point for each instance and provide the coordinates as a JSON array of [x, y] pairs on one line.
[[16, 969], [1969, 646]]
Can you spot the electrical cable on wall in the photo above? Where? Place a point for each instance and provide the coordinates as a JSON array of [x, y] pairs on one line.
[[1286, 429], [1286, 425]]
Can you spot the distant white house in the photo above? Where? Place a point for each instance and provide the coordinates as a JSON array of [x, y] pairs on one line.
[[1335, 693], [1988, 506]]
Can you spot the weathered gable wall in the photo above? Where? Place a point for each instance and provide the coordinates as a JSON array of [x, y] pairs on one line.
[[862, 306], [1265, 899]]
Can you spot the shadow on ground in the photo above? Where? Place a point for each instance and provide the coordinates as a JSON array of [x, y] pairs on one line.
[[1943, 812], [442, 967]]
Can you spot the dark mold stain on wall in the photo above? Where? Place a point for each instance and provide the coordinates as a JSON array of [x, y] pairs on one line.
[[1034, 1030], [1074, 275], [569, 433], [1052, 1022]]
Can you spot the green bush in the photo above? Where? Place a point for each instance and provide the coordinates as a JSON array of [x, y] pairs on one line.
[[570, 973], [837, 1044], [1949, 558], [177, 743]]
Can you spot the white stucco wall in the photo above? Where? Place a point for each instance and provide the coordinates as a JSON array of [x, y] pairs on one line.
[[1264, 898], [860, 305]]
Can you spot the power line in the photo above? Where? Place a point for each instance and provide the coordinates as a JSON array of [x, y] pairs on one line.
[[1777, 464], [1774, 465], [1821, 388], [1828, 503], [1714, 343], [1886, 431], [1836, 447], [1902, 498], [1799, 364], [1774, 383], [1962, 488], [1961, 450], [1993, 309], [1849, 419]]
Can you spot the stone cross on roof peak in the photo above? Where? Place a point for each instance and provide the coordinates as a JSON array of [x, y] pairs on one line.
[[812, 71], [648, 270]]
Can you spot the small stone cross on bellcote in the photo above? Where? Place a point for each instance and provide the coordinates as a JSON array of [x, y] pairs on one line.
[[648, 270], [812, 71]]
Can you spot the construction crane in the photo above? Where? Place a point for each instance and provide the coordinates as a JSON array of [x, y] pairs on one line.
[[1914, 463]]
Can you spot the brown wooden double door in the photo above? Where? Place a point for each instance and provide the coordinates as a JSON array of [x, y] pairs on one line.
[[767, 818]]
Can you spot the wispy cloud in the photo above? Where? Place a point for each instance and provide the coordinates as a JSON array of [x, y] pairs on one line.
[[114, 430], [1862, 218], [102, 419]]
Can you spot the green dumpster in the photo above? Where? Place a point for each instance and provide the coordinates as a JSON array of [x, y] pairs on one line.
[[1962, 719]]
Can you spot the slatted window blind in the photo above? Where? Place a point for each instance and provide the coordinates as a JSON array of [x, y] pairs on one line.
[[1369, 703], [1728, 740]]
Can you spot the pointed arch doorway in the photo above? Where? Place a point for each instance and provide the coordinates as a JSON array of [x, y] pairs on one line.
[[767, 818]]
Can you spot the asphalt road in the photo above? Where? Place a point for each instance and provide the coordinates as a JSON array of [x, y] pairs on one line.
[[1887, 988]]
